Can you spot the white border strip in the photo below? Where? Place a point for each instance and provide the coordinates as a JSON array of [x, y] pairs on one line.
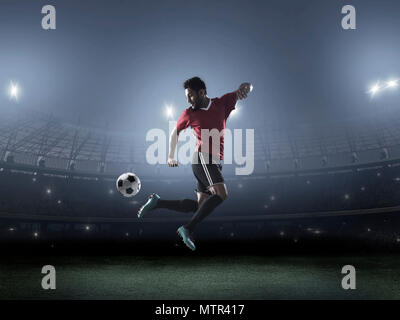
[[203, 163]]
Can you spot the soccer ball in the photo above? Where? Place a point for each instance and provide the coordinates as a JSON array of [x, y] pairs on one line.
[[128, 184]]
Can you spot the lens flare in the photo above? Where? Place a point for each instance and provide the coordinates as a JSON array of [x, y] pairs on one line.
[[375, 89], [14, 91], [169, 111], [392, 83]]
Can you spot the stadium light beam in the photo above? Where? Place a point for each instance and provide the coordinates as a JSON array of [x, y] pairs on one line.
[[236, 112], [375, 89], [169, 111], [392, 83], [13, 91]]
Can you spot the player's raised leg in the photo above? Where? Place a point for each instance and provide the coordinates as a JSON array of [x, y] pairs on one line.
[[155, 202], [150, 204]]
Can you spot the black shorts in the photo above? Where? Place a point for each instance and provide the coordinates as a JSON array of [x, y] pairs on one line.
[[208, 171]]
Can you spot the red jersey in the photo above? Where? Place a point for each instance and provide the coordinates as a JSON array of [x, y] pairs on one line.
[[212, 117]]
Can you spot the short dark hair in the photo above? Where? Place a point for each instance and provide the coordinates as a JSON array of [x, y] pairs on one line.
[[195, 84]]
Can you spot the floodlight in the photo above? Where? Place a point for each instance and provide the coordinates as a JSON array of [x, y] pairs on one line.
[[392, 83], [169, 112], [375, 89], [236, 112], [13, 91]]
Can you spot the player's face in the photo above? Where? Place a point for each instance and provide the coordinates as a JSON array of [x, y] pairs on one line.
[[194, 98], [191, 97]]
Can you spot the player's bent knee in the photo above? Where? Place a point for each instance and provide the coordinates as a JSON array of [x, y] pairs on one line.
[[223, 196], [201, 197], [220, 190]]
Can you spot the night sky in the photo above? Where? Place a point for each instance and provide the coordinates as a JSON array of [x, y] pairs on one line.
[[122, 61]]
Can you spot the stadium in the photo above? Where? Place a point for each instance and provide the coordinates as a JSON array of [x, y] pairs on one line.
[[312, 200], [353, 171], [324, 192]]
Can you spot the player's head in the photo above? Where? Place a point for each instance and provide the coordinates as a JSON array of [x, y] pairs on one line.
[[196, 91]]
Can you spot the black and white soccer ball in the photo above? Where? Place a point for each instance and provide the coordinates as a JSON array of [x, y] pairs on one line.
[[128, 184]]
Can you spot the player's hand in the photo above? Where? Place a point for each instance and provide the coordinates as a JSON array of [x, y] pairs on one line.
[[172, 162], [244, 90]]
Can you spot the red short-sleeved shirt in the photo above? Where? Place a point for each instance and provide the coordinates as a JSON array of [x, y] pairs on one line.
[[212, 117]]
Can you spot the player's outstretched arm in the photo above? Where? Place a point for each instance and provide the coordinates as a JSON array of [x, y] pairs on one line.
[[173, 141], [244, 90]]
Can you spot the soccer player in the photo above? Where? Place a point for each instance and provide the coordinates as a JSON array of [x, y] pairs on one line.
[[203, 114]]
